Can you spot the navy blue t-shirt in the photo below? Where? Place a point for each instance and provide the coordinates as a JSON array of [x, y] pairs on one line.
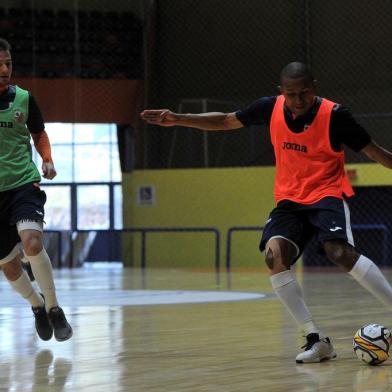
[[343, 129]]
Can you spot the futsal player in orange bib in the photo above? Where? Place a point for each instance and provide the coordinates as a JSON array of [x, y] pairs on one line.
[[308, 133]]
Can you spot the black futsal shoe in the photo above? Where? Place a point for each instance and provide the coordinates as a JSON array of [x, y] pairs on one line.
[[62, 329], [42, 324]]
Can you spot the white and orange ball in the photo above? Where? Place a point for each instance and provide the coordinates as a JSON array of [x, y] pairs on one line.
[[371, 343]]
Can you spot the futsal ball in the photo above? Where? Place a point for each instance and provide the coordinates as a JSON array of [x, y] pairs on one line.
[[371, 343]]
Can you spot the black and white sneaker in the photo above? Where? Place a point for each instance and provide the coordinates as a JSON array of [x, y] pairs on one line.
[[62, 329], [316, 350]]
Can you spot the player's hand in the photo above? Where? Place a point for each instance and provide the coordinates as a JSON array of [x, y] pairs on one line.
[[162, 117], [48, 170]]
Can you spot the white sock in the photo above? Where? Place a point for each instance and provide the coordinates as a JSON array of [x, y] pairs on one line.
[[24, 287], [369, 276], [42, 270], [289, 292]]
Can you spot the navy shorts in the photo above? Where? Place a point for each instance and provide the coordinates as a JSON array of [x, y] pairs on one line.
[[23, 203], [328, 219]]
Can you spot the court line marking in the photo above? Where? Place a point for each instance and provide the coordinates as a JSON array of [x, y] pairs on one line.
[[96, 298]]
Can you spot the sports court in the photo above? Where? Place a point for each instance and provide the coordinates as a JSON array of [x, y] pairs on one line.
[[126, 340], [153, 232]]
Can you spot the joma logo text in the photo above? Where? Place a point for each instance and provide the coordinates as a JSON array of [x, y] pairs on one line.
[[294, 146], [6, 124]]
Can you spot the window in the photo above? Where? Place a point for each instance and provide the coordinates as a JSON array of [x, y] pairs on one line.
[[58, 207], [83, 154], [93, 207], [118, 200]]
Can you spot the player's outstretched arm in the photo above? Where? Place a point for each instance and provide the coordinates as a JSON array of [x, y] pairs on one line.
[[206, 121], [379, 154]]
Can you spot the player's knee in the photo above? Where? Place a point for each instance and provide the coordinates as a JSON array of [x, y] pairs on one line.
[[32, 244], [269, 259], [279, 254], [341, 254]]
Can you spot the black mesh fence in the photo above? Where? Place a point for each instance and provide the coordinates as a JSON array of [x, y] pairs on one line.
[[218, 55], [222, 55], [211, 56]]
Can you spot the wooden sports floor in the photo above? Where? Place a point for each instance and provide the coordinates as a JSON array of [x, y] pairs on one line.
[[175, 330]]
